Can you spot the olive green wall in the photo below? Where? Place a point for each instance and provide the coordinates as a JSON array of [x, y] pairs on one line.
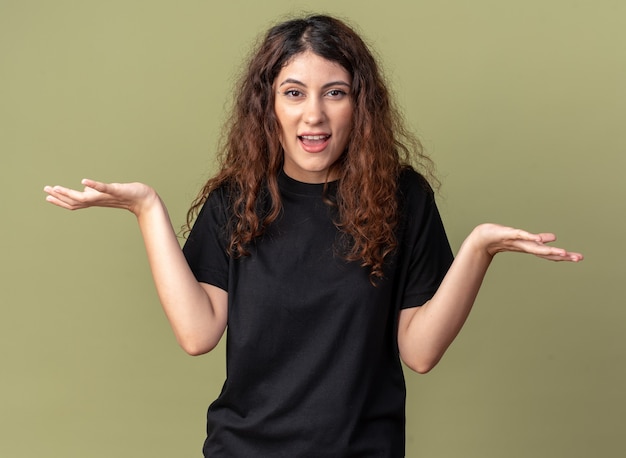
[[521, 104]]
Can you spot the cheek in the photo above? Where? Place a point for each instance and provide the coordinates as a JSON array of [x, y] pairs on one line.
[[347, 122], [279, 117], [284, 119]]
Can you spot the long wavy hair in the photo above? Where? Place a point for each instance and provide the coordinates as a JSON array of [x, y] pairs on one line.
[[251, 155]]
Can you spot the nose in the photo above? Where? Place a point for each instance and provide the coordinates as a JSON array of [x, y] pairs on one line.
[[314, 111]]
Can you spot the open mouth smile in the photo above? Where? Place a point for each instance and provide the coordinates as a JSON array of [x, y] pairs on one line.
[[314, 143], [313, 138]]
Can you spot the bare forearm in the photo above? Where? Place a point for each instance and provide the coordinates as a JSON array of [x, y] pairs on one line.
[[424, 333], [197, 323], [432, 328], [197, 312]]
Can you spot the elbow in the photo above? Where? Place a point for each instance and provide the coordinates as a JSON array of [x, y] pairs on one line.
[[196, 347], [194, 351], [421, 364], [199, 341], [422, 368]]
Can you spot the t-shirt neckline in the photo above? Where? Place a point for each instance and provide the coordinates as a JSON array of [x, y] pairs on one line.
[[291, 185]]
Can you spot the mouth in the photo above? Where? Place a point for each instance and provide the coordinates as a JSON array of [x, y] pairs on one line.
[[314, 138], [314, 143]]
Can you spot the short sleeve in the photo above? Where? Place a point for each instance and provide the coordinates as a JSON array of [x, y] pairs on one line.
[[206, 248], [425, 255]]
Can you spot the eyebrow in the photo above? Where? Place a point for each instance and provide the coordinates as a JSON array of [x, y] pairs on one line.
[[332, 83]]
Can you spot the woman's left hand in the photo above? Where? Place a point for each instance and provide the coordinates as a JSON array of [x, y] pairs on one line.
[[424, 333], [494, 238]]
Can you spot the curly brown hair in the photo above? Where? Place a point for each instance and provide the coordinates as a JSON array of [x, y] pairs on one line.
[[251, 155]]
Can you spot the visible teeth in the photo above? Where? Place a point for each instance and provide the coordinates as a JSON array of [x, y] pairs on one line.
[[314, 137]]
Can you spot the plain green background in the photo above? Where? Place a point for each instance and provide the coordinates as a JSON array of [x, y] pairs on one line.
[[520, 103]]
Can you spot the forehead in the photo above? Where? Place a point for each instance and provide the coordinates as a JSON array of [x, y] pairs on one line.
[[312, 67]]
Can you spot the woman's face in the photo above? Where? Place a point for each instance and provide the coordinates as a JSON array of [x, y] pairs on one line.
[[314, 109]]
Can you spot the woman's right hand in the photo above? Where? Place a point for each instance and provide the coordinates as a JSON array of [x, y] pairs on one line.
[[134, 197], [198, 312]]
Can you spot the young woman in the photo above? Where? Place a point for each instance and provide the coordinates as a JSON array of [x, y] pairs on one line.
[[320, 248]]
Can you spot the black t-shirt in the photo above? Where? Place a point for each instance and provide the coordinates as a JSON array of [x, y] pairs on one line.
[[313, 367]]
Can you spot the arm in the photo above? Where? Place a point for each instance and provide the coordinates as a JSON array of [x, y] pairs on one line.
[[196, 311], [424, 333]]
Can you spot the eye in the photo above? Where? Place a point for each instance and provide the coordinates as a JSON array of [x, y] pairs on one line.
[[292, 93], [336, 93]]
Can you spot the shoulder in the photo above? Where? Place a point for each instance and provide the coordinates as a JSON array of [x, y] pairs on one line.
[[216, 207], [222, 195], [413, 186]]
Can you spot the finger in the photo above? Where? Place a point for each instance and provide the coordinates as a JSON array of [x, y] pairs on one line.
[[67, 194], [546, 250], [59, 203], [97, 185], [547, 237], [520, 234], [542, 237], [535, 247], [60, 200], [58, 192], [575, 257], [557, 254], [569, 257], [70, 198]]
